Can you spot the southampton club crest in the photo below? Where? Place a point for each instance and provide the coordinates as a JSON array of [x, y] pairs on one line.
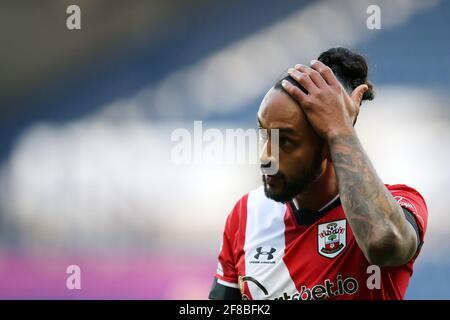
[[331, 237]]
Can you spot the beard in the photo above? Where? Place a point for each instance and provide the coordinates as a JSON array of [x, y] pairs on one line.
[[287, 189]]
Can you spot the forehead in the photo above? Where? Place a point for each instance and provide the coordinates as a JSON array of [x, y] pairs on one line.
[[278, 110]]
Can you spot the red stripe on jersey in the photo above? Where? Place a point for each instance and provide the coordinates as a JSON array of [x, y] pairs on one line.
[[232, 255], [241, 228]]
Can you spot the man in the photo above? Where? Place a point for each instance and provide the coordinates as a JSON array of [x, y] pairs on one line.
[[324, 223]]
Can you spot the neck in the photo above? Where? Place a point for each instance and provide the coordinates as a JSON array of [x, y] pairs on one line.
[[321, 191]]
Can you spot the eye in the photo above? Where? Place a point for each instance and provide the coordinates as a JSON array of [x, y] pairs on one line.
[[286, 142]]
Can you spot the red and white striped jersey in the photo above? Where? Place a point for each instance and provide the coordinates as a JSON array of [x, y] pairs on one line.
[[270, 250]]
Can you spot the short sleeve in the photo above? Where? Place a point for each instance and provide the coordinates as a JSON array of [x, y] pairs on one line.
[[226, 268], [413, 201], [227, 273]]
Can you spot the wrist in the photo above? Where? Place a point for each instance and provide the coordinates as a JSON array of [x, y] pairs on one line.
[[336, 134]]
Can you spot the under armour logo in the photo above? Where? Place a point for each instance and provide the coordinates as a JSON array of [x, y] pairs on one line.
[[268, 253]]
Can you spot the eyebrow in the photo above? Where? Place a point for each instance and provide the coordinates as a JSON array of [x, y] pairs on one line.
[[288, 131]]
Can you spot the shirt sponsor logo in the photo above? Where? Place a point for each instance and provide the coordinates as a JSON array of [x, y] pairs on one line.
[[329, 289], [326, 290], [332, 238]]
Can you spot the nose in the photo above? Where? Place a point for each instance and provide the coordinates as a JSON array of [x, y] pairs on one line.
[[269, 156], [265, 156]]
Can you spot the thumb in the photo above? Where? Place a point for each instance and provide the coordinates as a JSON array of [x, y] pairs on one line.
[[358, 93]]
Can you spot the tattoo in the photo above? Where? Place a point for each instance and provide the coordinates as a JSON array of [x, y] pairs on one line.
[[373, 214]]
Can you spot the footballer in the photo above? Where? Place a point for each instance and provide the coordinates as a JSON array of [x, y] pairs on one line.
[[315, 227]]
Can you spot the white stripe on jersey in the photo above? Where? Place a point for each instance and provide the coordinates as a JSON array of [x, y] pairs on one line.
[[266, 230], [228, 284]]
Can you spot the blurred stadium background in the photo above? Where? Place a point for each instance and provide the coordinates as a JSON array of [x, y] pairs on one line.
[[86, 118]]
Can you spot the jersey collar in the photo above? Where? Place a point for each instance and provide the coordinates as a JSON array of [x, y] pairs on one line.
[[307, 217]]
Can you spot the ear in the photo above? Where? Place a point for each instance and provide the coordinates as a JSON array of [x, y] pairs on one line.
[[358, 93]]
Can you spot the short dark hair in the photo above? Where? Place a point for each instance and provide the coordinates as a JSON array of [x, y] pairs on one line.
[[349, 67]]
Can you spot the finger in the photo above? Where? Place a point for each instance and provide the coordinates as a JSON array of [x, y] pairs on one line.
[[325, 71], [315, 76], [358, 93], [303, 79], [294, 91]]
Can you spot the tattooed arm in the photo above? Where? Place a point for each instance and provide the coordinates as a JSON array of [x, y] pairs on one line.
[[378, 223]]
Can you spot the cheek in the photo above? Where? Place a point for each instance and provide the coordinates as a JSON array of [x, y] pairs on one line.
[[300, 161], [293, 164]]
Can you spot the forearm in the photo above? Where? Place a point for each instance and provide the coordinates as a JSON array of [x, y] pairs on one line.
[[376, 219]]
